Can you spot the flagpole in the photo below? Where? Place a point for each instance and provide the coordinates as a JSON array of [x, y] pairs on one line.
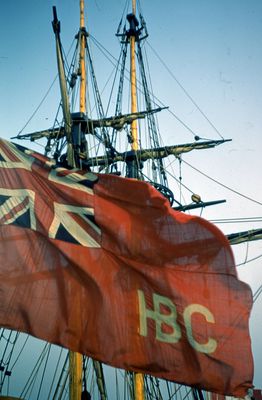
[[138, 377]]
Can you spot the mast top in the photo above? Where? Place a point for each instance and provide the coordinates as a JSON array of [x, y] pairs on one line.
[[82, 14], [134, 7], [82, 66]]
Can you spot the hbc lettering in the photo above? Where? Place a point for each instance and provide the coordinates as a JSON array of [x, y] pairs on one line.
[[170, 320]]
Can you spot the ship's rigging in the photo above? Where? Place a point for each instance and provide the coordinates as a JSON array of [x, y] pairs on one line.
[[72, 134], [68, 145]]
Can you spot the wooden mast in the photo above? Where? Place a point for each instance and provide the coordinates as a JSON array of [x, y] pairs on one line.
[[133, 83], [75, 375], [82, 59], [76, 359], [138, 377]]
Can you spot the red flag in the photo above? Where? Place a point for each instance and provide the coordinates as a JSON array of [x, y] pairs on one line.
[[102, 265]]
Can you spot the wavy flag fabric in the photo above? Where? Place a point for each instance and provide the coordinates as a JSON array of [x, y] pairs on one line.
[[102, 265]]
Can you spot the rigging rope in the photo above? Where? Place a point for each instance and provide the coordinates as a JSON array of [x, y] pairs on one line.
[[156, 100], [185, 91], [42, 101], [64, 373], [28, 388], [62, 350], [43, 373], [4, 363], [223, 185], [236, 220], [257, 293], [250, 260], [37, 108]]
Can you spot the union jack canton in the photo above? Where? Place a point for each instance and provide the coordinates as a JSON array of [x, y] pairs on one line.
[[36, 194]]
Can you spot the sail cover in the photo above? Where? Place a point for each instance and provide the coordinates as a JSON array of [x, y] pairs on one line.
[[102, 265]]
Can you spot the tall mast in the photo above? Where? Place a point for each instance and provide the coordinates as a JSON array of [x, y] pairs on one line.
[[132, 35], [76, 359], [139, 378], [75, 375], [132, 21], [82, 34]]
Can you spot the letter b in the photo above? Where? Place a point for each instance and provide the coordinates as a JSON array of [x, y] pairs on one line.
[[159, 318]]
